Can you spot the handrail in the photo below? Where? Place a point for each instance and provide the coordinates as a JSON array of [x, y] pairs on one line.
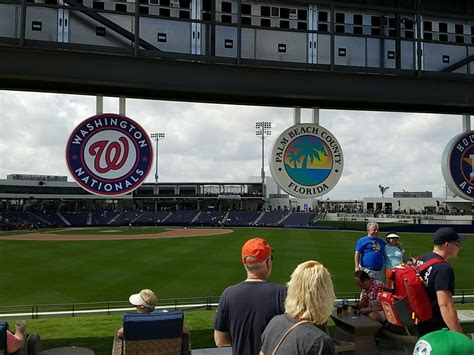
[[110, 24], [462, 296], [459, 64]]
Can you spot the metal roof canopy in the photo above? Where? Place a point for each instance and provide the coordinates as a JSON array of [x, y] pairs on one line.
[[104, 74], [151, 74]]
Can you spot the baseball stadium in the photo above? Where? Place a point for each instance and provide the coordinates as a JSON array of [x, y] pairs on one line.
[[75, 247], [73, 258]]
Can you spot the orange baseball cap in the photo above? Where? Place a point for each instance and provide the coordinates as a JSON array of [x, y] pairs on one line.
[[255, 251]]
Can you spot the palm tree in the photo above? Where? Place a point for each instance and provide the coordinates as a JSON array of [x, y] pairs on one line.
[[310, 151], [383, 189], [295, 156]]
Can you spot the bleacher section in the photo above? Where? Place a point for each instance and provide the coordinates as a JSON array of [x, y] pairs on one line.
[[102, 218], [299, 219], [29, 220], [125, 218], [76, 219], [241, 218], [181, 218], [152, 218], [209, 218], [272, 218]]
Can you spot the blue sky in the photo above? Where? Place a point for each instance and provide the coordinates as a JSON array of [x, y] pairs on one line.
[[208, 142]]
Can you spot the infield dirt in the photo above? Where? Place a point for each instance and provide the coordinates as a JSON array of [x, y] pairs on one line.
[[172, 233]]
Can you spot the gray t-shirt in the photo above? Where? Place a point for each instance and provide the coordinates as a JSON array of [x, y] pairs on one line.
[[306, 338]]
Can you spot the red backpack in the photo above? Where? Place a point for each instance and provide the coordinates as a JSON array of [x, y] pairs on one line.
[[404, 300]]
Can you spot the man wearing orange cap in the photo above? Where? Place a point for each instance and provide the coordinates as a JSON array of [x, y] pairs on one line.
[[246, 308]]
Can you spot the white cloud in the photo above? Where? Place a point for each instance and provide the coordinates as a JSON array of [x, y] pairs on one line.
[[207, 142]]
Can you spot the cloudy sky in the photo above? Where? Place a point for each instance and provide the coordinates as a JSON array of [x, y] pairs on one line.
[[217, 143]]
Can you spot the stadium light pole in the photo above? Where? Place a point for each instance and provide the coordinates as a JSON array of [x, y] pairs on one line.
[[157, 137], [262, 130]]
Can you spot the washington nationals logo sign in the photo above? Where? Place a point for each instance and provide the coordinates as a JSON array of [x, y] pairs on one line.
[[109, 155], [306, 161], [457, 165]]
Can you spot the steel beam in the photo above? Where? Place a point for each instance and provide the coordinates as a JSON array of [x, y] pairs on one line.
[[152, 78]]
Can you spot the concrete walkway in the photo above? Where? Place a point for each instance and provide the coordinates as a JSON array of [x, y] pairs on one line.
[[386, 347], [212, 351]]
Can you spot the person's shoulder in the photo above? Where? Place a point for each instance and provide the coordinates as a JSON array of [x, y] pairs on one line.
[[276, 286], [271, 288], [427, 256], [432, 255], [317, 334], [279, 319], [232, 289], [441, 265], [361, 241]]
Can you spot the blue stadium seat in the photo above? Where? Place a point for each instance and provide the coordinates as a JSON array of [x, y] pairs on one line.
[[153, 334], [156, 325]]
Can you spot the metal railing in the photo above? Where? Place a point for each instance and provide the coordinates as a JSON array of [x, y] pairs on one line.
[[463, 296]]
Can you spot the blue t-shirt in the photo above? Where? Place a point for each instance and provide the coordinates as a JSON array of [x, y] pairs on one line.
[[371, 251], [393, 256]]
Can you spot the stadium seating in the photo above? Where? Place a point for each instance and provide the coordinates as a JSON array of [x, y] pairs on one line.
[[19, 220], [52, 218], [102, 218], [241, 218], [153, 333], [180, 218], [209, 218], [299, 219], [125, 218], [152, 218], [76, 219], [28, 220], [272, 218]]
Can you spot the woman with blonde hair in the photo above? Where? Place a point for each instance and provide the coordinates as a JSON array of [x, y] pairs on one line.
[[309, 303]]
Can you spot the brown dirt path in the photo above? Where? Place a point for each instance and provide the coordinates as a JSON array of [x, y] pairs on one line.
[[174, 233]]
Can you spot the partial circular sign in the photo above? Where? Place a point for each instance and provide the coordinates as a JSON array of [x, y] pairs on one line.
[[457, 165], [109, 154], [306, 160]]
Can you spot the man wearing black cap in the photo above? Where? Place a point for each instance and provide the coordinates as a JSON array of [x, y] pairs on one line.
[[439, 281]]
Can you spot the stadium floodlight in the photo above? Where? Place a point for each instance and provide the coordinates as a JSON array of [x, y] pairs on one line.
[[263, 129], [157, 137]]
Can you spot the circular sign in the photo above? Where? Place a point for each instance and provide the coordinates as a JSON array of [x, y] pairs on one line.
[[109, 155], [457, 165], [306, 161]]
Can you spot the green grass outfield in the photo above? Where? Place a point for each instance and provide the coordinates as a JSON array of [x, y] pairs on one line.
[[45, 272], [96, 332]]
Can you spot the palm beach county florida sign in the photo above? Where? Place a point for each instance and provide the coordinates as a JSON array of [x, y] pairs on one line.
[[306, 161], [109, 155], [457, 165]]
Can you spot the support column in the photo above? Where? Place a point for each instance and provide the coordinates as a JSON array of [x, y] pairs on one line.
[[316, 115], [297, 115], [466, 123], [122, 108], [99, 104]]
